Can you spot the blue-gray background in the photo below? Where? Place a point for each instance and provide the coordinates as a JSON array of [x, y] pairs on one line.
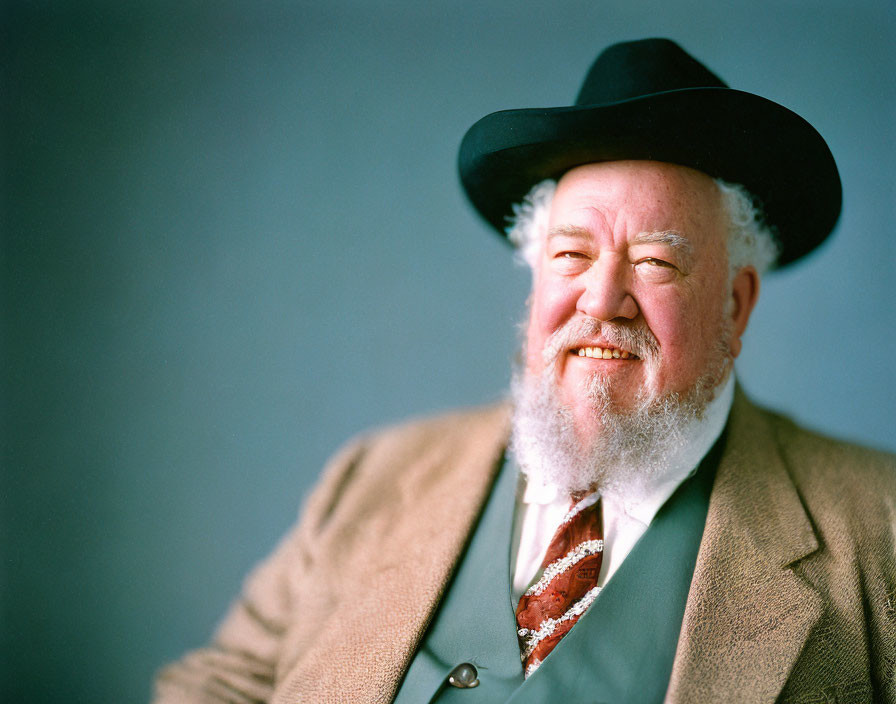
[[233, 237]]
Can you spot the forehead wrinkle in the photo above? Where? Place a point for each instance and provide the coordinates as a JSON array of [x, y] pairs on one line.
[[568, 231]]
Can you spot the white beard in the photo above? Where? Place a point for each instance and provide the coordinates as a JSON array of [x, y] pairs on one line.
[[631, 447]]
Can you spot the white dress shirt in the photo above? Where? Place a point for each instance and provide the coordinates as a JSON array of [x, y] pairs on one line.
[[541, 507]]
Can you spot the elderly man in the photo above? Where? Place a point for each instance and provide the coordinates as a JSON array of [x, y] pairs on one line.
[[631, 529]]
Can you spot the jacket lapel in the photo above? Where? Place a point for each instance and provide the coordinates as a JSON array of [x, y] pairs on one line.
[[747, 614]]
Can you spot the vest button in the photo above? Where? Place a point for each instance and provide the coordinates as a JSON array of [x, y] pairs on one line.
[[464, 676]]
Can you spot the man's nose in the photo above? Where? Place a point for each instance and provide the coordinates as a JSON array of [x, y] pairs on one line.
[[606, 294]]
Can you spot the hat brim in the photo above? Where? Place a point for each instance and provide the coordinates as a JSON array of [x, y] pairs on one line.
[[729, 134]]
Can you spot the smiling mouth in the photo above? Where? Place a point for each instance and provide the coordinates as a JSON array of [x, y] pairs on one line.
[[603, 353]]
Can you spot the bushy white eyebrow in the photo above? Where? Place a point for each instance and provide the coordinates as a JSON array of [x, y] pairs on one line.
[[670, 238]]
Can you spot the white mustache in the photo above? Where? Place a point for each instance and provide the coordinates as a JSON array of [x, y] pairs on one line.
[[637, 339]]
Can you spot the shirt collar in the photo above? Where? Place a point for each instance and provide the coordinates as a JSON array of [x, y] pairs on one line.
[[682, 463]]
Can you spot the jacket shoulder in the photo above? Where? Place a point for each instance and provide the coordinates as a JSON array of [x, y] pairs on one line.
[[382, 462], [848, 490], [833, 465]]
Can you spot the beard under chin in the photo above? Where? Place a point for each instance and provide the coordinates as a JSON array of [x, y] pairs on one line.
[[627, 447]]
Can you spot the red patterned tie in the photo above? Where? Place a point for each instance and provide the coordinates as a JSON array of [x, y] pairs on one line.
[[568, 585]]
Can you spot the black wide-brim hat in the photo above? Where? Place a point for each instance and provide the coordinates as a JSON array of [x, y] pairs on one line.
[[651, 100]]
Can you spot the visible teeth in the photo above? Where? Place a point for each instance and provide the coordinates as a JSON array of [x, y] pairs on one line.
[[601, 353]]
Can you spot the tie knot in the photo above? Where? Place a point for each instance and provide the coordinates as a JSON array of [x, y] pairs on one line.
[[579, 503]]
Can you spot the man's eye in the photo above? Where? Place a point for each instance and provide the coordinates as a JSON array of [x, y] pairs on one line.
[[652, 261], [656, 270], [570, 262]]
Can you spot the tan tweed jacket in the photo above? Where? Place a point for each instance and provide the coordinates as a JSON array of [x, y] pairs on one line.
[[793, 597]]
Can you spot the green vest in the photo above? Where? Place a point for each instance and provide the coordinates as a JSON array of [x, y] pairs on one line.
[[620, 650]]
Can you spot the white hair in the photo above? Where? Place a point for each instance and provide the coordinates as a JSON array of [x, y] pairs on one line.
[[750, 240]]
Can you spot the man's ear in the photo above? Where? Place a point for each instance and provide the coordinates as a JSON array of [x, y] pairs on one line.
[[744, 294]]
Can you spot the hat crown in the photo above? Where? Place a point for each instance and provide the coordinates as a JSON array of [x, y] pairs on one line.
[[633, 69]]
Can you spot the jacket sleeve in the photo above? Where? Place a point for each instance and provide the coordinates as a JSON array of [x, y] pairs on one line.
[[240, 664]]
